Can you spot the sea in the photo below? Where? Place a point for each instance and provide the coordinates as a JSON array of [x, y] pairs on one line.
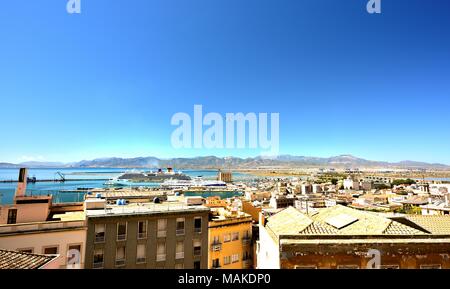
[[87, 178]]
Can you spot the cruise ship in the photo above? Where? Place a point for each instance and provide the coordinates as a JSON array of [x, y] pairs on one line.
[[134, 176], [196, 183]]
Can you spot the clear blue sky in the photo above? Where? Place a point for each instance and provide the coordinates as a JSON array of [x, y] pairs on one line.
[[107, 82]]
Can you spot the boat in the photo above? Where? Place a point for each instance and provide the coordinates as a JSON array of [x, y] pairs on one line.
[[135, 176], [196, 183]]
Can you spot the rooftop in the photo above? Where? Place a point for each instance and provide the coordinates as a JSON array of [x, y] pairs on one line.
[[337, 220], [145, 209], [20, 260]]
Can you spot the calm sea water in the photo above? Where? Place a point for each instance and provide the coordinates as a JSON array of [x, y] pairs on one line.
[[86, 178]]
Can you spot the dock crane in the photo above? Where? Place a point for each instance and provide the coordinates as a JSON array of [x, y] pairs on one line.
[[62, 178]]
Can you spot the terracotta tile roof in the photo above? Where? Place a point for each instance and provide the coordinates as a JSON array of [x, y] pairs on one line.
[[20, 260], [438, 224], [337, 220]]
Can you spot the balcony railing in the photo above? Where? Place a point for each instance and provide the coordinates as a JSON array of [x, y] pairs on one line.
[[197, 252], [215, 247], [179, 255], [197, 230], [142, 235], [161, 234], [121, 237], [97, 265], [246, 240], [100, 239], [141, 260], [247, 264], [216, 266], [161, 257], [120, 262], [180, 232]]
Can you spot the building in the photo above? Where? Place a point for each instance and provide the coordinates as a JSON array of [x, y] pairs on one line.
[[34, 225], [154, 235], [22, 260], [281, 201], [230, 240], [226, 177], [343, 238], [351, 183]]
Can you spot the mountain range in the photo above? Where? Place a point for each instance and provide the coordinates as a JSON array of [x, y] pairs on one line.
[[207, 162]]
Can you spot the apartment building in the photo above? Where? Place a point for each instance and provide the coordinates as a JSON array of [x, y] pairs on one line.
[[167, 235], [34, 225], [230, 239], [343, 238]]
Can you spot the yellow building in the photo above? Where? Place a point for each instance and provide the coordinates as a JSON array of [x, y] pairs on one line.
[[230, 240]]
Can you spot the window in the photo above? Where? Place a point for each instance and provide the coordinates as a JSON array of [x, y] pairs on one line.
[[28, 250], [389, 267], [12, 216], [348, 267], [121, 231], [216, 240], [433, 266], [162, 227], [142, 229], [246, 256], [198, 225], [53, 250], [305, 267], [180, 250], [98, 258], [235, 236], [197, 265], [99, 233], [234, 258], [226, 238], [161, 251], [179, 266], [216, 263], [120, 256], [197, 248], [141, 255], [73, 256], [226, 260], [180, 226]]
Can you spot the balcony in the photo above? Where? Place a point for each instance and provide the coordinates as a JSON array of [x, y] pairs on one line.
[[142, 235], [197, 230], [121, 237], [99, 239], [120, 263], [216, 247], [141, 260], [179, 255], [216, 266], [246, 241], [180, 232], [161, 257], [247, 264], [161, 234], [97, 265], [197, 252]]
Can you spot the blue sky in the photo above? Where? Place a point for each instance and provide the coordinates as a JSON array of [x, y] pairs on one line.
[[107, 82]]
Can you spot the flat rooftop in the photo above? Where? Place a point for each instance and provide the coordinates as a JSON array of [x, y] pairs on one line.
[[145, 209]]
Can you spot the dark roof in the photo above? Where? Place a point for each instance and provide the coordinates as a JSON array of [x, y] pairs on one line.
[[21, 260]]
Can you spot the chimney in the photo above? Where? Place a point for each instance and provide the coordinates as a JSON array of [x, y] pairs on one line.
[[22, 183]]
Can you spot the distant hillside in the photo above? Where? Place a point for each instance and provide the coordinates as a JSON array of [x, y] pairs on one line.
[[342, 161]]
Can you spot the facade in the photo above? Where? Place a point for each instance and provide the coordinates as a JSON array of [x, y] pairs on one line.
[[230, 240], [345, 238], [226, 177], [34, 225], [147, 235]]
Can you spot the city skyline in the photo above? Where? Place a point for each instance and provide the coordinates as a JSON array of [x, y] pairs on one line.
[[87, 86]]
